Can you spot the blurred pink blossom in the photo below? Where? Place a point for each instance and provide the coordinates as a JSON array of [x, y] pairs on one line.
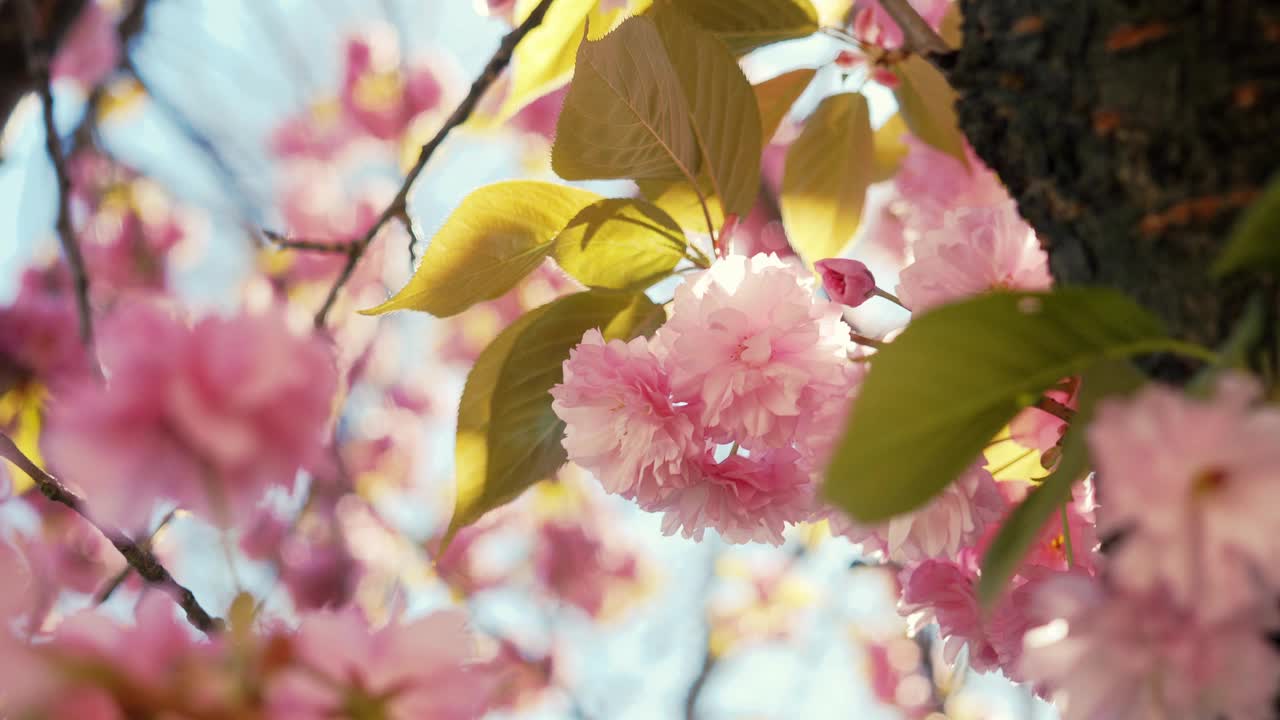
[[91, 50], [1190, 486], [1111, 654], [578, 565], [208, 416], [424, 668]]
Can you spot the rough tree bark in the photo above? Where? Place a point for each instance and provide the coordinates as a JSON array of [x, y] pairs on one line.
[[1131, 133]]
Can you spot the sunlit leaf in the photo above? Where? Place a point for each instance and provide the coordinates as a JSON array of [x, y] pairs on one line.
[[1024, 524], [825, 182], [508, 436], [498, 235], [619, 244], [726, 121], [678, 199], [1008, 459], [22, 417], [625, 115], [891, 147], [543, 61], [928, 104], [1255, 241], [744, 25], [936, 395], [775, 97]]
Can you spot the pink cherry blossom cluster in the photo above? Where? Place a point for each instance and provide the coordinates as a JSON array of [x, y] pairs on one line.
[[749, 359], [207, 415], [332, 664]]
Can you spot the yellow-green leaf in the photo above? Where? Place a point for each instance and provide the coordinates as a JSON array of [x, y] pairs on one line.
[[1255, 241], [825, 181], [499, 234], [775, 97], [891, 147], [936, 395], [744, 25], [543, 61], [619, 244], [508, 436], [928, 104], [625, 115], [726, 121], [679, 200]]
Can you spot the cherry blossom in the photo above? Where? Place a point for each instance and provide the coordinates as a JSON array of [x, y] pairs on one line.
[[1111, 654], [424, 668], [750, 346], [1188, 486], [846, 281], [744, 499], [622, 423], [976, 249], [229, 408], [950, 522]]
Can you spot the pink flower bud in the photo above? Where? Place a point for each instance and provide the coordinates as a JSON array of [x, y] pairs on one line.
[[846, 281]]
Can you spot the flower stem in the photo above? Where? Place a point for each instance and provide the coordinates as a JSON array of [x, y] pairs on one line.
[[891, 298]]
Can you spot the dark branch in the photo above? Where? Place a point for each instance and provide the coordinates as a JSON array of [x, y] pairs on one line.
[[139, 556], [110, 588], [399, 205], [38, 67], [917, 35], [323, 246]]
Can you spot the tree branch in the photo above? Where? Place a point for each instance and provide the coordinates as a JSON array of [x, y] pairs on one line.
[[917, 35], [38, 67], [139, 556], [398, 205], [322, 246]]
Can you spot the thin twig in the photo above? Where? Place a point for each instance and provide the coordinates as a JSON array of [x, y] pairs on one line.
[[917, 35], [139, 557], [501, 58], [38, 68], [110, 588], [709, 658], [324, 246]]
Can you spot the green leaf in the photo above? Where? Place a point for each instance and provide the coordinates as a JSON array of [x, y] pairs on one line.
[[935, 396], [928, 104], [1255, 241], [726, 121], [744, 25], [619, 244], [508, 436], [1023, 526], [625, 115], [825, 181], [499, 234], [544, 60], [775, 97]]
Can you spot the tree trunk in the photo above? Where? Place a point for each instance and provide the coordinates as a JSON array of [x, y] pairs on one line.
[[1131, 133]]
